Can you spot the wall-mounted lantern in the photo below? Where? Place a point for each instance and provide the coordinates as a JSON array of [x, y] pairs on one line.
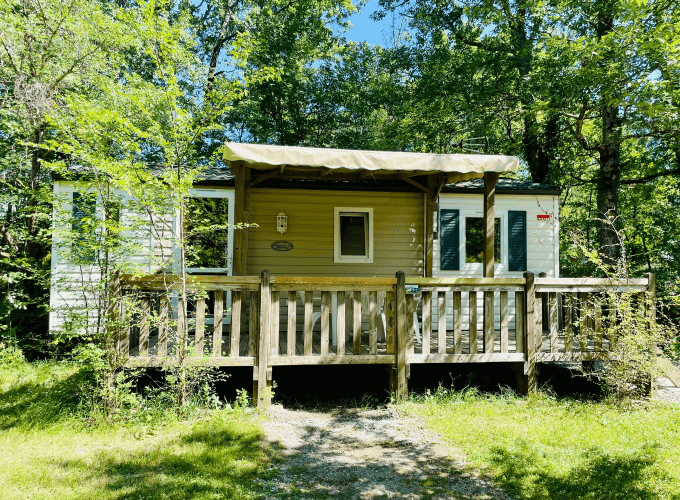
[[281, 222]]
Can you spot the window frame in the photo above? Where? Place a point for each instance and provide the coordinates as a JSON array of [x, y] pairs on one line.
[[230, 196], [338, 258], [476, 267]]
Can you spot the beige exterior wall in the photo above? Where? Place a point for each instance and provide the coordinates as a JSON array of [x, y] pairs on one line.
[[398, 232]]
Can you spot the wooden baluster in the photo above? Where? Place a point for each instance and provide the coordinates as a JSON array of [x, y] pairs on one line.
[[473, 322], [390, 317], [568, 322], [410, 340], [340, 348], [124, 341], [489, 334], [275, 324], [538, 316], [427, 321], [372, 323], [583, 320], [200, 326], [457, 322], [162, 350], [254, 323], [597, 320], [218, 313], [145, 311], [504, 321], [291, 338], [552, 300], [237, 303], [309, 312], [325, 322], [441, 323], [520, 321], [356, 330], [613, 320]]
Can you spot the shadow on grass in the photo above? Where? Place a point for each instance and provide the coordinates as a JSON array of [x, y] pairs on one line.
[[216, 459], [44, 398], [526, 474]]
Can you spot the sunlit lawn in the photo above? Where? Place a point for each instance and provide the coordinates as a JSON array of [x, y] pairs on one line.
[[544, 448], [48, 452]]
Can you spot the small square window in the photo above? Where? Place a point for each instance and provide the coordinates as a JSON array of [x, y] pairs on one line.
[[353, 241]]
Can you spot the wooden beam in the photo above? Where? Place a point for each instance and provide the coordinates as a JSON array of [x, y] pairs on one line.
[[246, 220], [490, 180], [416, 184], [430, 204], [442, 180], [269, 175], [239, 194]]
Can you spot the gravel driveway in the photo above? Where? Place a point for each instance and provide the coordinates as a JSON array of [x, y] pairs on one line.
[[365, 453]]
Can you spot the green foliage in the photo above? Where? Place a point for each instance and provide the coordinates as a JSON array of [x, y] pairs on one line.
[[542, 447], [54, 449]]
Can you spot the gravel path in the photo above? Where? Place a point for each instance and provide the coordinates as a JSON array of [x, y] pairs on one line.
[[667, 391], [373, 453]]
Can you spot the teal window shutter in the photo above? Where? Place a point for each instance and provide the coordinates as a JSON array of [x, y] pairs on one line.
[[450, 239], [517, 240]]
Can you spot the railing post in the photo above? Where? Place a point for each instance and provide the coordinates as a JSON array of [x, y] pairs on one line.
[[262, 369], [402, 332], [651, 324], [526, 379]]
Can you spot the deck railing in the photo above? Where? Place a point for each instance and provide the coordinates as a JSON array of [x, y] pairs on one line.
[[265, 321]]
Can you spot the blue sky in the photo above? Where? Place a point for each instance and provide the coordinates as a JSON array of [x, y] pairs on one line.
[[364, 29]]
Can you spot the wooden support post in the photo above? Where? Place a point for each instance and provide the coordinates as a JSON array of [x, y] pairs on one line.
[[200, 326], [145, 311], [527, 381], [237, 302], [430, 204], [490, 181], [264, 370], [237, 170], [402, 332]]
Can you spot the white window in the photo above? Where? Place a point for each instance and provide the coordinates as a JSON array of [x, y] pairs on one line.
[[353, 240]]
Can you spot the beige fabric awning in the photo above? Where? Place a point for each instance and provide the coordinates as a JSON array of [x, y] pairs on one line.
[[457, 167]]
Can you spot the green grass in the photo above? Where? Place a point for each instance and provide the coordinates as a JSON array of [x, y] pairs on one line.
[[51, 450], [545, 448]]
